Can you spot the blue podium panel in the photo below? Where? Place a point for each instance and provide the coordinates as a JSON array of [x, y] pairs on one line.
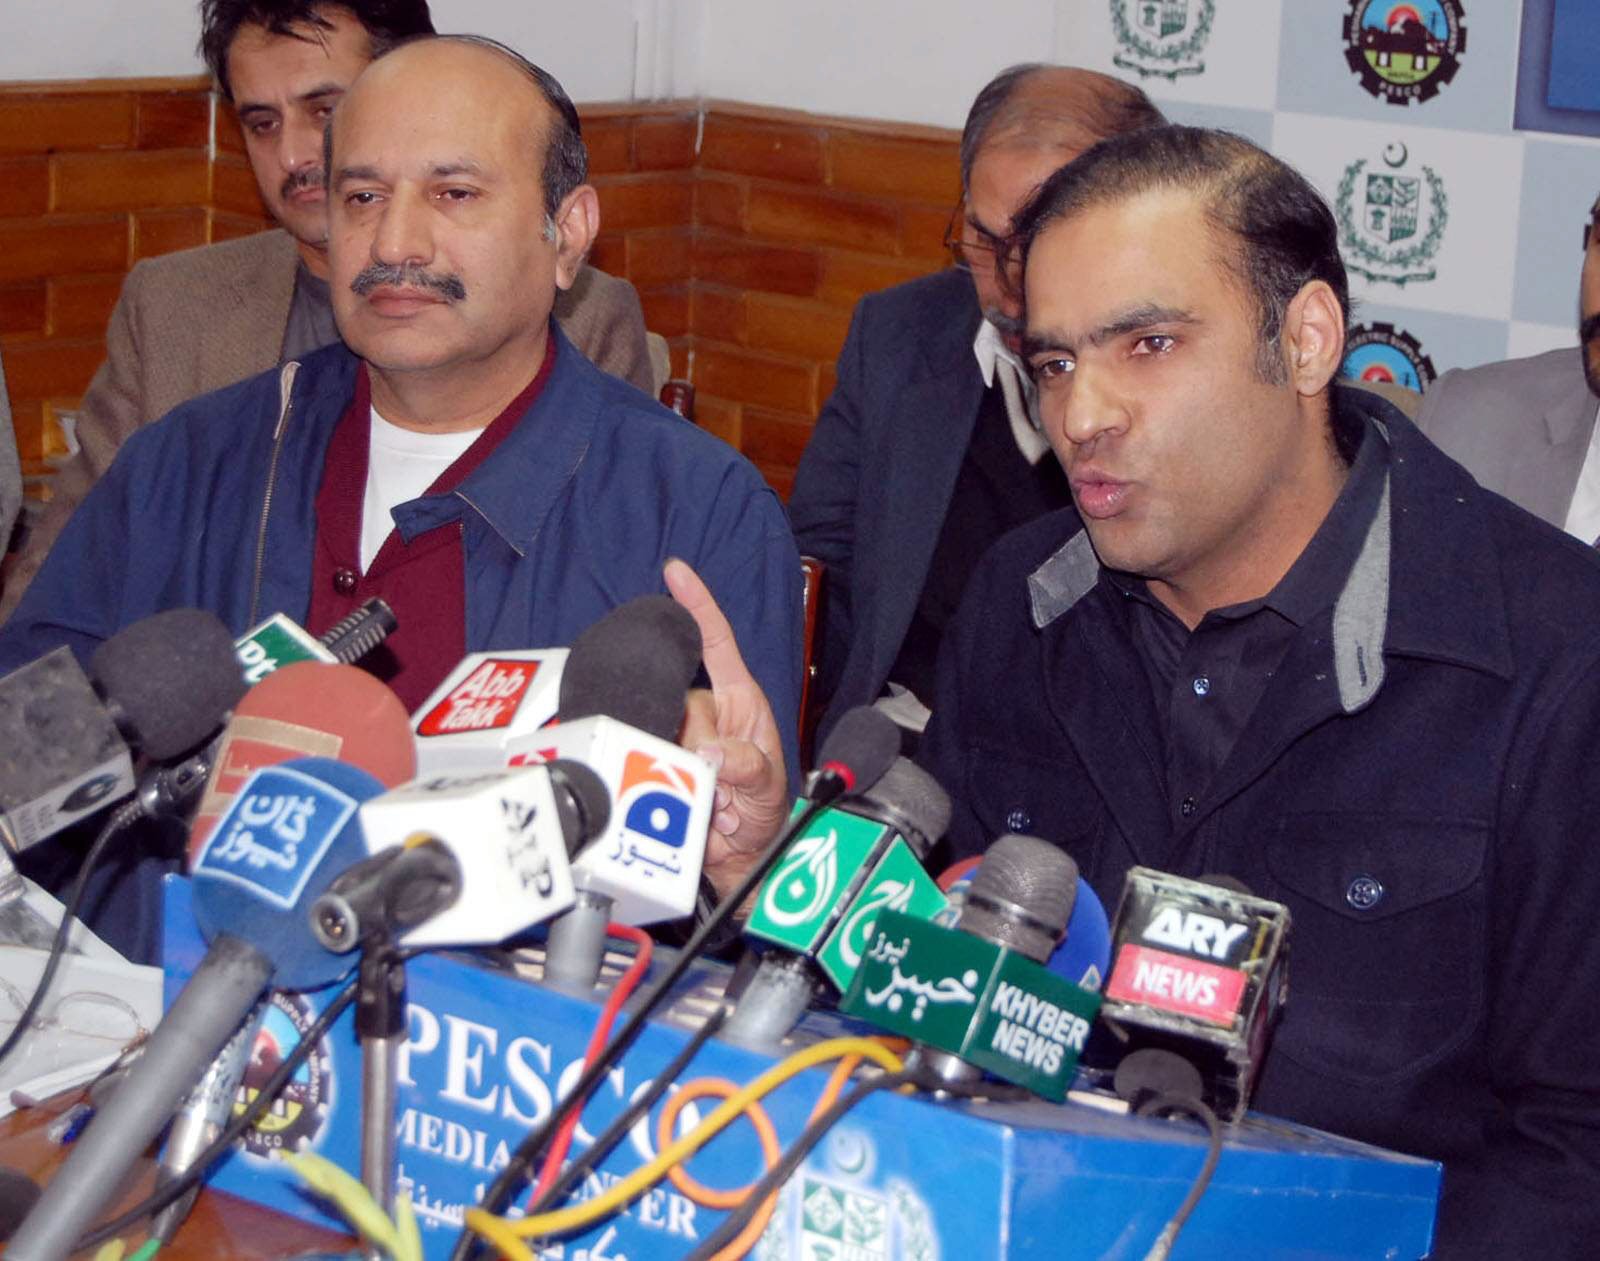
[[490, 1051]]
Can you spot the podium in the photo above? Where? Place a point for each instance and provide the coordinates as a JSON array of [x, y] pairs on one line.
[[490, 1049]]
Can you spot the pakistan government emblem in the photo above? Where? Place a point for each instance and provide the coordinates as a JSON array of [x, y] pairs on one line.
[[843, 1218], [1161, 38], [1404, 52], [1381, 352], [1391, 220]]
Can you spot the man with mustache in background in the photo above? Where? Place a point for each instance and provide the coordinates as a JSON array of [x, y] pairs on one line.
[[194, 321], [1525, 428]]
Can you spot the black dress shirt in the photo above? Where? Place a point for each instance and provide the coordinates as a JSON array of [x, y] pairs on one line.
[[1207, 682]]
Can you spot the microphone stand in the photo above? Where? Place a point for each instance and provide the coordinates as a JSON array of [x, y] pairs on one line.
[[367, 907], [381, 1026]]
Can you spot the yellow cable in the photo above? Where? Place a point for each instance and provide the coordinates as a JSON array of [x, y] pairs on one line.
[[564, 1220]]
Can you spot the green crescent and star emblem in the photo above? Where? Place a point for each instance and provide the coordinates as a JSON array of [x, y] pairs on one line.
[[1391, 220], [1161, 38]]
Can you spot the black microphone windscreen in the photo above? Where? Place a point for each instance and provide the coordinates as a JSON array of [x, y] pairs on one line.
[[583, 800], [865, 743], [635, 665], [174, 676], [914, 799], [1027, 875]]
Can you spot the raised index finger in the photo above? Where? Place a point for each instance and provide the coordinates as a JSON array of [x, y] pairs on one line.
[[718, 649]]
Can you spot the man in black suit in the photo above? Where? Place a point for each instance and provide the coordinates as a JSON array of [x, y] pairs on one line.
[[929, 449]]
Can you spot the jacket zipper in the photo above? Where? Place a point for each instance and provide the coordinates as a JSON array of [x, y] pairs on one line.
[[286, 409]]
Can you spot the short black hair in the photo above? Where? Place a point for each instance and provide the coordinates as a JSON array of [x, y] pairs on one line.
[[386, 22], [566, 157], [1113, 108], [1283, 231]]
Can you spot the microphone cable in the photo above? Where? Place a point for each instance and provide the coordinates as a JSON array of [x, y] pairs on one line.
[[644, 948], [862, 746], [124, 815], [735, 1223], [508, 1235], [519, 1168]]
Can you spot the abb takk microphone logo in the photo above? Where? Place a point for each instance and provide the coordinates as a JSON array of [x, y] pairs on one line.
[[486, 699], [655, 799]]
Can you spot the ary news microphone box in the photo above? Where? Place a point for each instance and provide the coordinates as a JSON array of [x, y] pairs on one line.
[[490, 1051]]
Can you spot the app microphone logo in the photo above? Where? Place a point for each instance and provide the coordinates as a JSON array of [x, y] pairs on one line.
[[655, 800], [487, 699]]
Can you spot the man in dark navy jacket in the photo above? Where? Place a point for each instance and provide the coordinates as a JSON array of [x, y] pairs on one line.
[[1284, 638], [471, 467]]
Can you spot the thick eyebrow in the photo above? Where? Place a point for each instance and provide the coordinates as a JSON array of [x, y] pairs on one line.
[[461, 166], [438, 171], [311, 94], [347, 173], [1035, 341]]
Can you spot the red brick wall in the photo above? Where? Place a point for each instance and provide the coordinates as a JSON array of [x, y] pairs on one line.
[[794, 217], [749, 233]]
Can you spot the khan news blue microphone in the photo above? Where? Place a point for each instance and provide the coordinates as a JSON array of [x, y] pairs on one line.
[[976, 998], [1200, 968], [815, 914], [67, 738], [289, 832]]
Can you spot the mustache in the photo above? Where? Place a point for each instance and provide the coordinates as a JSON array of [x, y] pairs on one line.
[[1589, 329], [303, 180], [408, 276]]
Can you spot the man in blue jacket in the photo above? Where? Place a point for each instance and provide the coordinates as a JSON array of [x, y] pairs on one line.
[[1282, 637], [470, 466]]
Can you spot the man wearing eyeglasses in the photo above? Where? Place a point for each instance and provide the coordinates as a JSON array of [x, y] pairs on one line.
[[929, 448], [1525, 428]]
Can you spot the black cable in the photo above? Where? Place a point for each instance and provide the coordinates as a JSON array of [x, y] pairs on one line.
[[736, 1221], [196, 1172], [614, 1133], [1166, 1103], [124, 814], [519, 1169]]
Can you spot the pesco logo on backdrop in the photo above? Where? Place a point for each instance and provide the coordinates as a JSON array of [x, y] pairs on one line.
[[295, 1121], [1381, 352], [1161, 38], [1404, 51], [1391, 219]]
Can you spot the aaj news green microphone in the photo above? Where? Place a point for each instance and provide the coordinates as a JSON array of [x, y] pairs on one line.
[[976, 998], [814, 915]]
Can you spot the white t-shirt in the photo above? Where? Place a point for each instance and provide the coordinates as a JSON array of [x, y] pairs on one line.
[[1583, 517], [401, 464]]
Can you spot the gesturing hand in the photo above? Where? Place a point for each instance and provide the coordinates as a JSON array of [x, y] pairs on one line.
[[732, 727]]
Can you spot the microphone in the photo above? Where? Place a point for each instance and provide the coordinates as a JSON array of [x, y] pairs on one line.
[[1082, 956], [281, 641], [305, 709], [490, 711], [290, 830], [818, 907], [505, 836], [976, 998], [67, 738], [622, 696], [1199, 968]]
